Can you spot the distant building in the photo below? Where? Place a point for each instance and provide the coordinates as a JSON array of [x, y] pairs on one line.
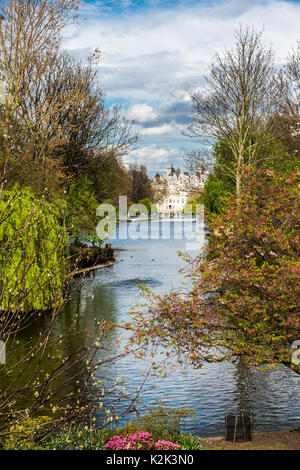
[[174, 189]]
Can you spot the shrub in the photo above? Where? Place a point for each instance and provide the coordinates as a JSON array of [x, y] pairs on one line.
[[189, 442], [22, 436], [161, 422], [139, 441], [166, 445]]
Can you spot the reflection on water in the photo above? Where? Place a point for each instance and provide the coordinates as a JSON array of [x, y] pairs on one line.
[[273, 397]]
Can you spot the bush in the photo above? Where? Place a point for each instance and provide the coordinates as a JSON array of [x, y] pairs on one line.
[[189, 442], [139, 441], [162, 423], [165, 445], [215, 195], [22, 436]]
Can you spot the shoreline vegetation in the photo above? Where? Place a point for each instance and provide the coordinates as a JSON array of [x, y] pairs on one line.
[[90, 258]]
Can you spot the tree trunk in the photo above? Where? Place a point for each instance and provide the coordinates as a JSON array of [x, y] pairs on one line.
[[238, 183]]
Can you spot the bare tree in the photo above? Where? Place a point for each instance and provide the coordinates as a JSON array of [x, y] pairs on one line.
[[91, 132], [198, 161], [54, 120], [289, 85], [30, 37], [240, 98]]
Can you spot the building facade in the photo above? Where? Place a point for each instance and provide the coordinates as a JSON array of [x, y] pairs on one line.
[[174, 189]]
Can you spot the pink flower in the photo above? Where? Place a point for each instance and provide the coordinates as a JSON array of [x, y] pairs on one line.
[[166, 445], [141, 440]]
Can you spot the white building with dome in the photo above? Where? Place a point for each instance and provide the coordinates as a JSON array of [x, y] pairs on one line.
[[176, 188]]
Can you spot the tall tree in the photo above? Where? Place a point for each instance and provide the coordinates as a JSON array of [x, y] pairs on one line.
[[289, 85], [198, 161], [141, 183], [286, 123], [30, 37], [54, 122]]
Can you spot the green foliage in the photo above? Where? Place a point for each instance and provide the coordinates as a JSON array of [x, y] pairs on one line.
[[22, 436], [278, 159], [34, 249], [81, 210], [163, 423], [224, 162], [147, 203], [215, 195], [189, 442], [77, 440], [191, 205], [220, 185]]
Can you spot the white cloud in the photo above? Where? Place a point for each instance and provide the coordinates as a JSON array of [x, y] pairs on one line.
[[154, 51], [151, 57], [158, 130], [152, 156], [141, 112]]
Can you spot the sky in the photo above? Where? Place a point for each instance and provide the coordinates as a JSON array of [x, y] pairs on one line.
[[153, 52]]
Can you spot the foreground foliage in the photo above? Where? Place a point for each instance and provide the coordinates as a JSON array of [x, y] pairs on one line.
[[33, 251], [160, 428]]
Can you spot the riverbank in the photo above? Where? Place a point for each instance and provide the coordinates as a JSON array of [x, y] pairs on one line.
[[275, 440], [79, 272], [89, 258]]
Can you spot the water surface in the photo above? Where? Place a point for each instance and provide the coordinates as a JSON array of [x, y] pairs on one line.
[[273, 397]]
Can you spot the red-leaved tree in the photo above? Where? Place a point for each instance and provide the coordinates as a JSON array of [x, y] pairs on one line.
[[244, 297]]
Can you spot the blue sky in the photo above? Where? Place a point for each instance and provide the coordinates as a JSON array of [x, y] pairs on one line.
[[154, 52]]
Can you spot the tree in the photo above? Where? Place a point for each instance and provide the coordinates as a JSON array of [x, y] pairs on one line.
[[33, 251], [30, 37], [141, 183], [285, 124], [289, 85], [53, 117], [240, 98], [46, 386], [198, 161], [151, 208], [215, 195], [191, 205], [94, 134], [244, 298], [110, 180]]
